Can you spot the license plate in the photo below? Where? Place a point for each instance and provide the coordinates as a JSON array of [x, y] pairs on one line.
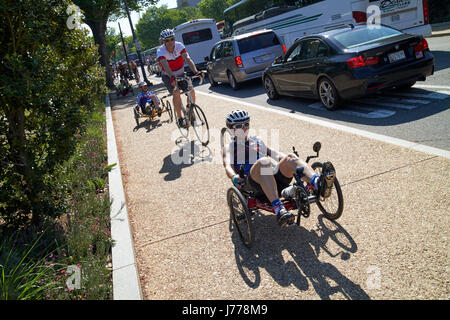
[[396, 56], [263, 58]]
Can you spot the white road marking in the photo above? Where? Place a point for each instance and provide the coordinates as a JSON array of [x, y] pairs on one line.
[[441, 95], [370, 114], [426, 86], [406, 104], [332, 125]]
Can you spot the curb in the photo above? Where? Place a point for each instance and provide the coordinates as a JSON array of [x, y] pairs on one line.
[[126, 285]]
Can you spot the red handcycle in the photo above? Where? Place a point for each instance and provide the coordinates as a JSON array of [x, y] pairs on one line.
[[243, 203]]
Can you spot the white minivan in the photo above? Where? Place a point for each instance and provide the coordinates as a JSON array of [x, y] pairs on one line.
[[198, 36]]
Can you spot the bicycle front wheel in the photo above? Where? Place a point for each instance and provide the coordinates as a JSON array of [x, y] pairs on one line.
[[332, 206], [200, 124]]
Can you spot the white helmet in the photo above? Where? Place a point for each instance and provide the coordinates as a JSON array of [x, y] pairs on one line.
[[167, 33], [237, 116]]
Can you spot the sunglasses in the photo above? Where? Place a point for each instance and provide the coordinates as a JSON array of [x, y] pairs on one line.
[[169, 40], [241, 125]]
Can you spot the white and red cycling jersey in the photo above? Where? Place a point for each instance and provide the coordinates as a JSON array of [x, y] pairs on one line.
[[175, 59]]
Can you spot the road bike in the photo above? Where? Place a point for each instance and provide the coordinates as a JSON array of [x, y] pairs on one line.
[[193, 114]]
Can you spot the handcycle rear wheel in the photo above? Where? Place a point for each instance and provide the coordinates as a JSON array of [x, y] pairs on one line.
[[333, 206], [241, 216], [168, 108], [200, 124], [136, 116]]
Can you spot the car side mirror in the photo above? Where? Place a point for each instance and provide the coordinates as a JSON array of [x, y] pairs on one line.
[[278, 59]]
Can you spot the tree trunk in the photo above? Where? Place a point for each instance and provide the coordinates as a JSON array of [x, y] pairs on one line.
[[98, 29]]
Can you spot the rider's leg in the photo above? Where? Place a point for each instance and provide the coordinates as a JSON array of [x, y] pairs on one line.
[[176, 98], [289, 164], [193, 94], [260, 173]]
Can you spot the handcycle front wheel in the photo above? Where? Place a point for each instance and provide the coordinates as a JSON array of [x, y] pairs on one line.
[[241, 216], [199, 124], [333, 206]]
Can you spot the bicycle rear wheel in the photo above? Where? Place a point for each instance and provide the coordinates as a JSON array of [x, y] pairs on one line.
[[333, 206], [200, 124], [241, 216], [184, 131]]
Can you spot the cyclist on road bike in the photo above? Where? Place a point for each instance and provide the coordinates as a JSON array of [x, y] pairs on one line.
[[260, 176], [171, 56], [147, 97]]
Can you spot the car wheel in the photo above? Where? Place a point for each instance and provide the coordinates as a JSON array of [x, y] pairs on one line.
[[328, 94], [211, 80], [271, 91], [233, 84]]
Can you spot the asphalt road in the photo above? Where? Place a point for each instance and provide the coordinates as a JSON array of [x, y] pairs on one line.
[[419, 115]]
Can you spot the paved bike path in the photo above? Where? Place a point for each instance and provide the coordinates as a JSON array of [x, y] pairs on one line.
[[390, 243]]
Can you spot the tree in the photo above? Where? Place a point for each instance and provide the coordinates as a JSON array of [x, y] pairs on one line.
[[96, 15], [214, 8], [50, 81], [155, 19], [112, 41]]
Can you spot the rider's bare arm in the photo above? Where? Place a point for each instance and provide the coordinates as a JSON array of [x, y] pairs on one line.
[[190, 63], [166, 68], [226, 162]]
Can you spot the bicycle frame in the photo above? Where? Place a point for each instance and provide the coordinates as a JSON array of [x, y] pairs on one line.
[[188, 94]]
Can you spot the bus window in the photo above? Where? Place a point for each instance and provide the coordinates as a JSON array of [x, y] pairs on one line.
[[196, 36]]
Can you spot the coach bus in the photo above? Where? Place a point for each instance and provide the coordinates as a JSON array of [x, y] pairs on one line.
[[292, 19]]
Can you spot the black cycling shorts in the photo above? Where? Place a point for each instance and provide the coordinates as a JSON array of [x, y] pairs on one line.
[[281, 180]]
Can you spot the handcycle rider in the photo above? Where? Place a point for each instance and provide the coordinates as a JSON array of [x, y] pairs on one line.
[[171, 56], [146, 100], [260, 176]]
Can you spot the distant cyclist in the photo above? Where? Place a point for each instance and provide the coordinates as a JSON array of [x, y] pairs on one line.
[[171, 56], [260, 176], [147, 100]]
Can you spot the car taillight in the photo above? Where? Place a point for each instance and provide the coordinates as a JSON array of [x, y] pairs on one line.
[[238, 61], [284, 48], [423, 45], [359, 16], [426, 17], [358, 62]]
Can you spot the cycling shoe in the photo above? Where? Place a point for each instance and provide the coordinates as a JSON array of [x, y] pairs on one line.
[[326, 179], [285, 218]]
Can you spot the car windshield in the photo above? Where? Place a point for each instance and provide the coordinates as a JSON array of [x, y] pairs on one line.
[[363, 36], [257, 42]]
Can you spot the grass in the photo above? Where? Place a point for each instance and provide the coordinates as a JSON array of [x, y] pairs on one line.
[[69, 257]]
